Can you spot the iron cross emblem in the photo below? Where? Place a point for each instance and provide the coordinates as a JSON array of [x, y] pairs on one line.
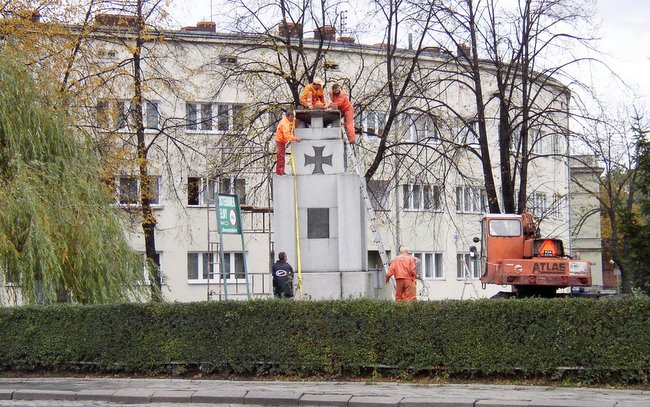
[[318, 160]]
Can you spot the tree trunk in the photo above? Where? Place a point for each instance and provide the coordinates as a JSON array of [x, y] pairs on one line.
[[148, 217]]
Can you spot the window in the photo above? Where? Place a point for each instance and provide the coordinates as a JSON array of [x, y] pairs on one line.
[[515, 140], [229, 117], [465, 264], [200, 265], [234, 265], [120, 114], [556, 209], [227, 59], [371, 122], [466, 133], [113, 114], [274, 116], [200, 191], [557, 147], [145, 273], [379, 194], [421, 197], [537, 146], [233, 186], [470, 200], [198, 116], [505, 227], [539, 204], [151, 115], [123, 110], [430, 265], [128, 190], [424, 129]]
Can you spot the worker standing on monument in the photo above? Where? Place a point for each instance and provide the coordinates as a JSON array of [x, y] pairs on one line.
[[312, 97], [340, 100], [283, 136], [282, 277], [403, 268]]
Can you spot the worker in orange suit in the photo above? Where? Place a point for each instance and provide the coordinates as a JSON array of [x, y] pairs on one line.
[[312, 96], [340, 100], [403, 268], [283, 136]]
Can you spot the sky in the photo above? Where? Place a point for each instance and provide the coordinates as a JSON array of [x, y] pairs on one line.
[[624, 42]]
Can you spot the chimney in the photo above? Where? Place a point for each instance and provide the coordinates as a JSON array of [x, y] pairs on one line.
[[326, 33], [206, 26], [410, 41], [293, 30], [116, 20], [463, 50]]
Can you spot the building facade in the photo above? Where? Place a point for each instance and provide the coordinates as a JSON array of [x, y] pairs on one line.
[[211, 104]]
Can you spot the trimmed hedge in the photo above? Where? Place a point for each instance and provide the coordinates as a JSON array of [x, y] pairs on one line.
[[606, 340]]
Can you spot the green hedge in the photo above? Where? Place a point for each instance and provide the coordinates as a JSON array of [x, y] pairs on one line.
[[606, 340]]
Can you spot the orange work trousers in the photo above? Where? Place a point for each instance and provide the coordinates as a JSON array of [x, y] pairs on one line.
[[405, 290], [348, 115], [282, 151]]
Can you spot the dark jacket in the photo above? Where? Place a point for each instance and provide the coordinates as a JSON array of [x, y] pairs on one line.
[[282, 279]]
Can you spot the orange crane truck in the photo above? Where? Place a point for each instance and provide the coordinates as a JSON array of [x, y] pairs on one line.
[[512, 254]]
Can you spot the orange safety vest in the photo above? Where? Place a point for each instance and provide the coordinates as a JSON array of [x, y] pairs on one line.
[[402, 267], [284, 132], [341, 101], [317, 96]]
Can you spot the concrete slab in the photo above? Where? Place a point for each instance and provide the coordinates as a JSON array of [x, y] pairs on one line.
[[219, 396], [325, 399], [172, 396], [273, 398], [633, 403], [133, 396], [95, 394], [370, 401], [437, 402], [571, 403], [5, 394], [502, 403], [33, 394]]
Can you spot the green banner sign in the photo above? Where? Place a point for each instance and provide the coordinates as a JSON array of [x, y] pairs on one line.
[[229, 216]]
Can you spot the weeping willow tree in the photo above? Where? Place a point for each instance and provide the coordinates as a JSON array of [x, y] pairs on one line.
[[60, 239]]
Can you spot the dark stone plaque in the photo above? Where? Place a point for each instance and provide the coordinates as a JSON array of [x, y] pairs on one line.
[[318, 223]]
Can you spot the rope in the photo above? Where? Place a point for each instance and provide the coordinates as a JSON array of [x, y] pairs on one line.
[[295, 194]]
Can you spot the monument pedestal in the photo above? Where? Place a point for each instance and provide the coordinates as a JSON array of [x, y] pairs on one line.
[[331, 214]]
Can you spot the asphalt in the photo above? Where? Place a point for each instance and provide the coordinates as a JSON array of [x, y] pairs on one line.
[[278, 393]]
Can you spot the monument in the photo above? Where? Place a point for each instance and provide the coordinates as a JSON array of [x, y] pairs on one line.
[[331, 214]]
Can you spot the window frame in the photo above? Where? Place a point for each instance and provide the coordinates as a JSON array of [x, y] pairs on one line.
[[471, 199], [205, 188], [204, 258], [200, 123], [435, 259], [473, 265], [425, 192], [379, 194], [117, 180]]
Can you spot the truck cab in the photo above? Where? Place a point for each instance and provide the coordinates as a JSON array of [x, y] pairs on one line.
[[512, 254]]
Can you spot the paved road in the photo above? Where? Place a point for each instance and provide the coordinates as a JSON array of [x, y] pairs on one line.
[[169, 392]]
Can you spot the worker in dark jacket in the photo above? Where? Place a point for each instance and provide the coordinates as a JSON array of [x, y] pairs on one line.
[[282, 277]]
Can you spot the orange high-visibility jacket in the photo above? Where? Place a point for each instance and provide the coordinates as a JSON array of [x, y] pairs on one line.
[[402, 266], [317, 96], [341, 101], [284, 132]]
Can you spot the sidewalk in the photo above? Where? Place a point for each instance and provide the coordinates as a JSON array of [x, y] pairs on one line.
[[183, 391]]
